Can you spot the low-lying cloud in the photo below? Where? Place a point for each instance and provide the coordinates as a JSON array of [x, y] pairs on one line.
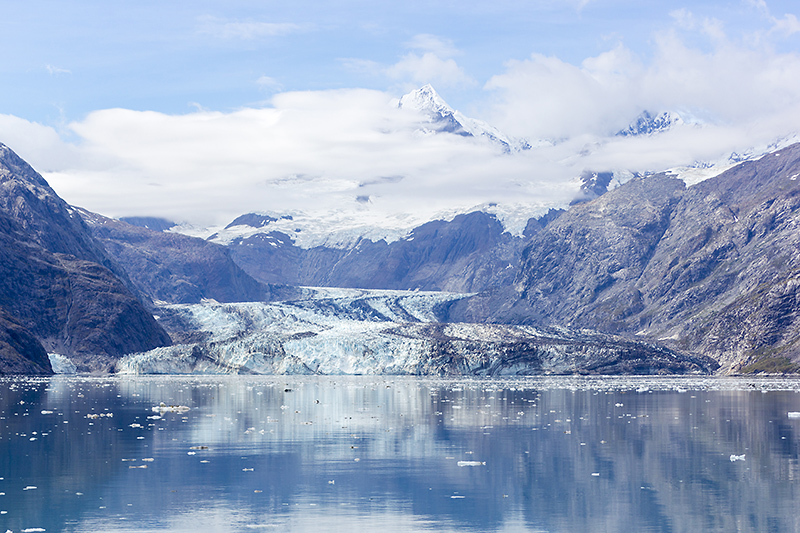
[[353, 151]]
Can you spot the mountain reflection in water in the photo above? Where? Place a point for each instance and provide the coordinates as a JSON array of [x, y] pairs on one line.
[[399, 454]]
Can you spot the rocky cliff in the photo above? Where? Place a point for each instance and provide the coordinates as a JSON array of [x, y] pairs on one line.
[[712, 269], [59, 292], [174, 268], [467, 254]]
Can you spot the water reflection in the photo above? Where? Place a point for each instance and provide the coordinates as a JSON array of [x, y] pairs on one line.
[[400, 454]]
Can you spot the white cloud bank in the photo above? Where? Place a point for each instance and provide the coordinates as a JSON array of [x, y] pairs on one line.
[[353, 152]]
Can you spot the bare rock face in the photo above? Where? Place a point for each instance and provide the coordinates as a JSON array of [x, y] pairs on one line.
[[57, 286], [467, 254], [175, 268], [711, 269], [20, 352]]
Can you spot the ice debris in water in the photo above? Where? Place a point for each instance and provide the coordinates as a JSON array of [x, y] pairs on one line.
[[471, 463], [737, 457], [164, 408]]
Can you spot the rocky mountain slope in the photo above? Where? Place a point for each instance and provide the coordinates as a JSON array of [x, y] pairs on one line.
[[59, 292], [467, 254], [174, 268], [713, 268]]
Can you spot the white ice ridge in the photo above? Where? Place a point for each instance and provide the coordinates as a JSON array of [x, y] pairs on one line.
[[347, 331], [327, 331], [343, 229], [376, 332]]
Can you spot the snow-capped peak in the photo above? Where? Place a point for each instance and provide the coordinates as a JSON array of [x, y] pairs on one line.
[[648, 124], [443, 118], [426, 100]]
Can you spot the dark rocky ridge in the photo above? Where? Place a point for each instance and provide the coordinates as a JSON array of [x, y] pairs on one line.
[[57, 286], [174, 268], [711, 269], [470, 253]]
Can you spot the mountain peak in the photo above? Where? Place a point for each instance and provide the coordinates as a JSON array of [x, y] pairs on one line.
[[427, 101], [14, 167], [443, 118], [648, 123]]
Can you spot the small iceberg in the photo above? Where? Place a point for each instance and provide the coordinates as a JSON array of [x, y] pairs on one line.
[[471, 463], [61, 364], [164, 408]]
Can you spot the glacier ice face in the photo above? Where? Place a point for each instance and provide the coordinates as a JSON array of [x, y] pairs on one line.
[[353, 331], [62, 364]]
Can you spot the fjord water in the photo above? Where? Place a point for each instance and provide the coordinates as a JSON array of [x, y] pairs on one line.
[[400, 454]]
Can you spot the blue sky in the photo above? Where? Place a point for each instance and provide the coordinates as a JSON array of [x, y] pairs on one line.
[[85, 84], [65, 59]]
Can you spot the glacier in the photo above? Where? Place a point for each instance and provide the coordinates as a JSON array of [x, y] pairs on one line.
[[329, 331]]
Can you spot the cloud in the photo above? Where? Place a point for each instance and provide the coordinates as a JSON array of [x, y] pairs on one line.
[[56, 70], [429, 68], [268, 83], [545, 97], [346, 151], [247, 30], [352, 153], [439, 46], [37, 144], [694, 66], [430, 60]]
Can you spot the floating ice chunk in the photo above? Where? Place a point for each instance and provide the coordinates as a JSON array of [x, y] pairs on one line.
[[164, 408], [471, 463], [794, 414], [62, 364], [737, 457]]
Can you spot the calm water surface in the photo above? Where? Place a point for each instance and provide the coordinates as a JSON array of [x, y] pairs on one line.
[[398, 454]]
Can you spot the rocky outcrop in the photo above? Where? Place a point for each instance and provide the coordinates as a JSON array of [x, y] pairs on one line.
[[172, 267], [57, 285], [467, 254], [712, 269], [20, 352]]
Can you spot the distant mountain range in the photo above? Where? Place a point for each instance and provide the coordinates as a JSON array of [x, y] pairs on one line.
[[664, 275], [649, 124]]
